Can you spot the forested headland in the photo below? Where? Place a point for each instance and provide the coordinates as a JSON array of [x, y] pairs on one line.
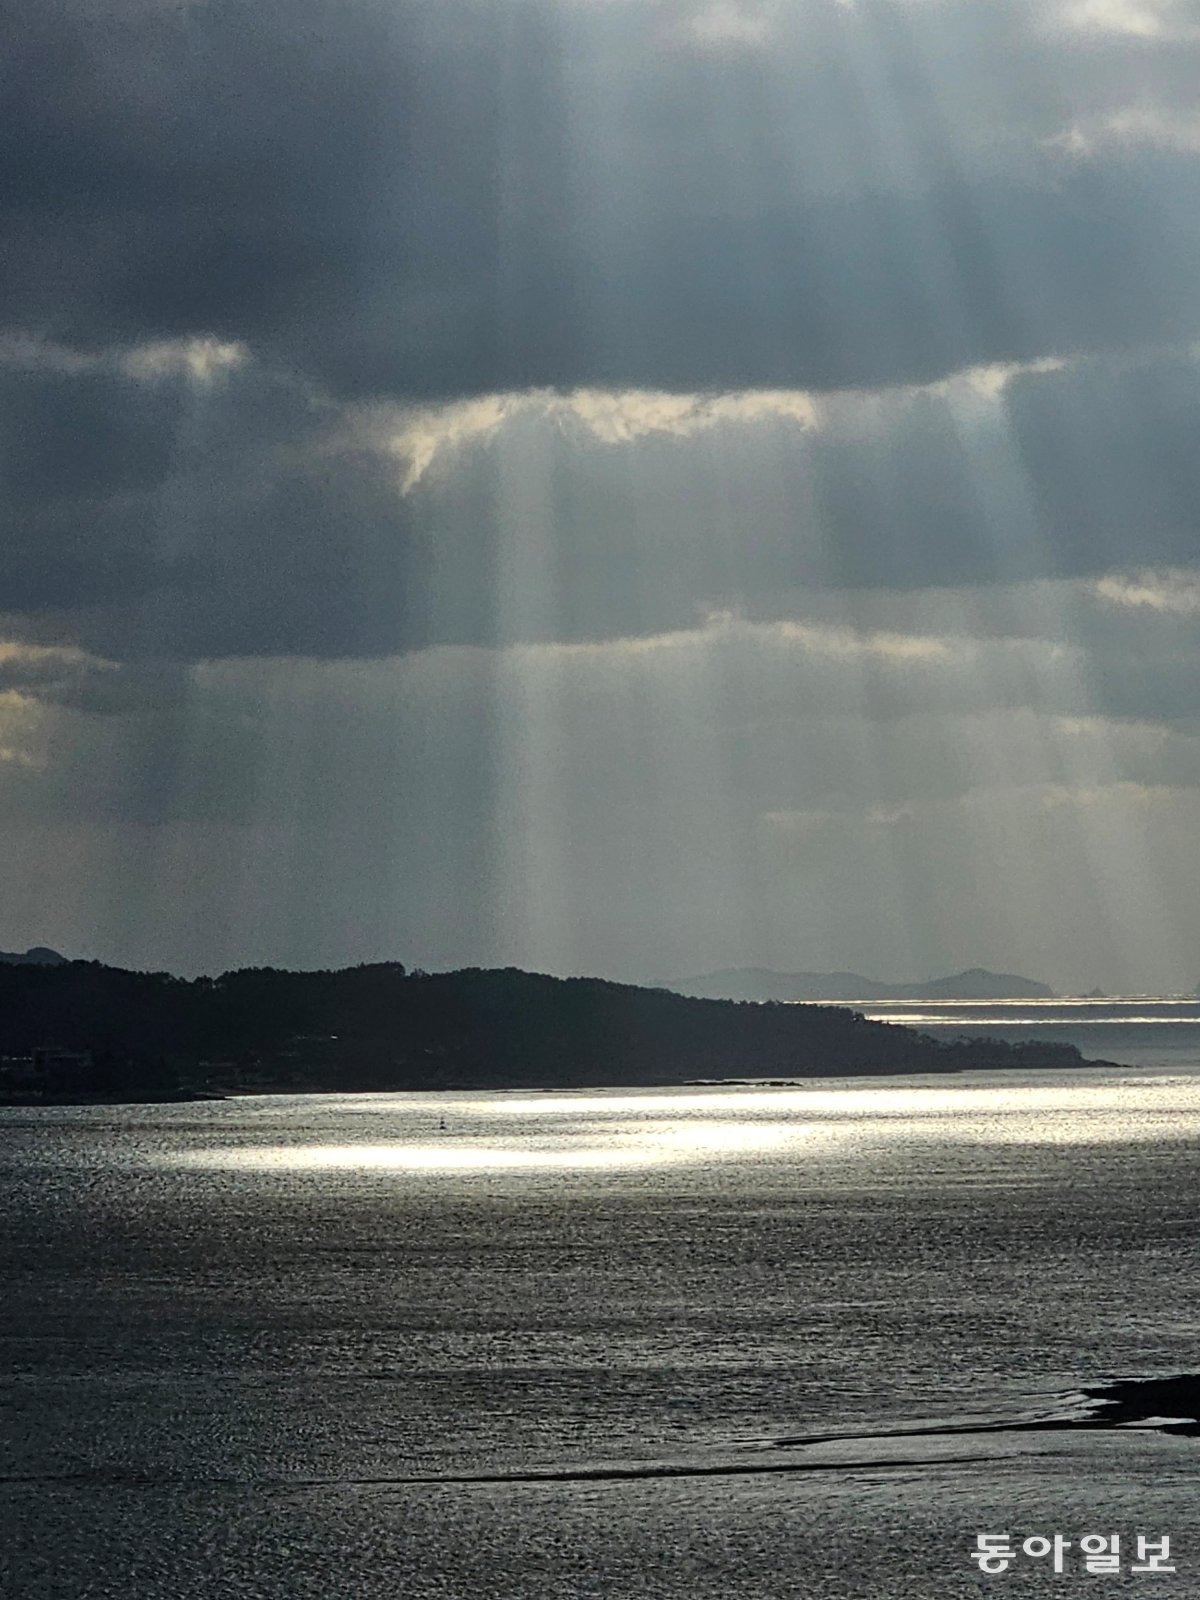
[[149, 1034]]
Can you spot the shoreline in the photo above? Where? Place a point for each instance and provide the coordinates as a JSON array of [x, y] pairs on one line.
[[799, 1081]]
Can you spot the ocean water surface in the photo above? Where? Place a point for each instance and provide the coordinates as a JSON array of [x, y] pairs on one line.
[[735, 1342]]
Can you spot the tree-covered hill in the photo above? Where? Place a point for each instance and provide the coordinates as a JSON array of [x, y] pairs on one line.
[[380, 1026]]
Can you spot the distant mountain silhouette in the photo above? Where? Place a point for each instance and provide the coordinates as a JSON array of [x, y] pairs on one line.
[[760, 983], [36, 956]]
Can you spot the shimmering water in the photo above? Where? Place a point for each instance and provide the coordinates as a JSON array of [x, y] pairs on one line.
[[235, 1333], [1145, 1030]]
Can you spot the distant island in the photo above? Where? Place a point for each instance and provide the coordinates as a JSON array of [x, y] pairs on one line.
[[760, 983], [37, 956], [80, 1029]]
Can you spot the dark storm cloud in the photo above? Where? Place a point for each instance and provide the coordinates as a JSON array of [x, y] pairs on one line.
[[280, 283], [430, 200], [1066, 474], [167, 518], [146, 520], [411, 201]]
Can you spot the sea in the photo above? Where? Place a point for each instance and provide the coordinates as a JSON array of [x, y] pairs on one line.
[[707, 1341]]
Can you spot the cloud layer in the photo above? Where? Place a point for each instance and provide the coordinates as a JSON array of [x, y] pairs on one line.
[[627, 486], [442, 200], [184, 502]]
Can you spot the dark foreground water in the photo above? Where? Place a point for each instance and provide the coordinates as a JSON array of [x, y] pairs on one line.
[[235, 1334]]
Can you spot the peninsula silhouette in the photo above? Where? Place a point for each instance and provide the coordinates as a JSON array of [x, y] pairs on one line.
[[83, 1028]]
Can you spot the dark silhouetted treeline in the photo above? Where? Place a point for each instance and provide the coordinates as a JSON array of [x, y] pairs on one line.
[[379, 1026]]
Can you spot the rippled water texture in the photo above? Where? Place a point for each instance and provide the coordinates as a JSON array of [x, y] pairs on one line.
[[715, 1342]]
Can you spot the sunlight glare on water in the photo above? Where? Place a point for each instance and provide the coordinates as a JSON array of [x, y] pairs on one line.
[[598, 1148], [625, 1130], [388, 1331]]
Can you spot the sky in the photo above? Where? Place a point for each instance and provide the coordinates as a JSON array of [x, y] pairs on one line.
[[606, 486]]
